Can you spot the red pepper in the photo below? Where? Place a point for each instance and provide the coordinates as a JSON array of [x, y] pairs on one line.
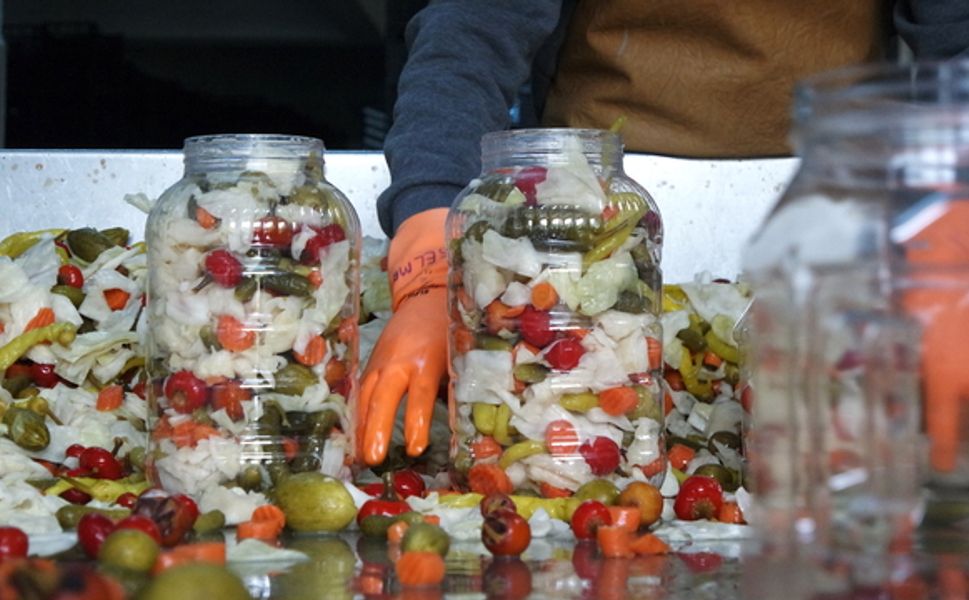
[[700, 497], [224, 268], [70, 275], [272, 231], [185, 391], [388, 504], [564, 354], [325, 236]]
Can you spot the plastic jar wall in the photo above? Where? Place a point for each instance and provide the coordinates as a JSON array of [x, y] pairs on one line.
[[554, 297], [861, 276], [253, 305]]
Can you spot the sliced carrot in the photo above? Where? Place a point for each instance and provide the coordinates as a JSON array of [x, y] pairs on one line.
[[395, 533], [204, 218], [561, 438], [43, 318], [654, 468], [116, 298], [463, 339], [578, 333], [485, 447], [544, 295], [420, 568], [201, 432], [270, 513], [315, 277], [110, 397], [229, 395], [313, 353], [654, 351], [290, 448], [680, 455], [488, 479], [618, 401], [550, 491], [207, 552], [614, 541], [730, 513], [335, 371], [667, 403], [432, 519], [648, 543], [712, 359], [625, 516], [233, 335], [499, 315], [260, 530]]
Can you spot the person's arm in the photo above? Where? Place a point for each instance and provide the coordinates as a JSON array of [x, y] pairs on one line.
[[467, 61], [934, 29]]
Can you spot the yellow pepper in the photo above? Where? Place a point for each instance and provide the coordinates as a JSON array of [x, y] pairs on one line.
[[103, 490], [580, 402], [18, 243], [501, 432], [62, 333], [722, 348], [484, 416], [516, 452]]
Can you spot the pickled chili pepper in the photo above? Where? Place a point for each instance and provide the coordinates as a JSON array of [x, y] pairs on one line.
[[501, 433], [388, 504], [224, 268], [272, 231], [483, 416], [62, 333], [580, 402], [185, 391], [516, 452], [721, 348], [613, 241], [18, 243], [26, 428]]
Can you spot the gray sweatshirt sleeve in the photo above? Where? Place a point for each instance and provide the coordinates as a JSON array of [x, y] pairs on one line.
[[934, 29], [467, 61]]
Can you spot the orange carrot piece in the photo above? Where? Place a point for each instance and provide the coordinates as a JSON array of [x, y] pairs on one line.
[[116, 298], [207, 552], [544, 295], [730, 513], [335, 371], [290, 448], [614, 541], [550, 491], [485, 447], [680, 455], [43, 318], [432, 520], [561, 438], [488, 479], [110, 397], [260, 530], [270, 513], [420, 568], [625, 516], [233, 335], [654, 351], [315, 277], [648, 543], [313, 353], [204, 218], [654, 468], [463, 339], [499, 315], [712, 359], [618, 401], [395, 533]]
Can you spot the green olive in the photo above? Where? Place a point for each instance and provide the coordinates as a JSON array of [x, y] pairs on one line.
[[209, 338], [602, 490], [492, 342], [250, 478], [27, 429], [424, 537], [726, 438], [693, 340], [213, 520], [530, 372], [294, 378], [631, 302], [87, 243], [719, 472], [68, 516]]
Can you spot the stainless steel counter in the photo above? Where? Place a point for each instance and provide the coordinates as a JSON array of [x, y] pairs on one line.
[[710, 208]]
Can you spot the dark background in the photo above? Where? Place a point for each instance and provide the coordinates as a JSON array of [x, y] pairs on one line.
[[147, 74]]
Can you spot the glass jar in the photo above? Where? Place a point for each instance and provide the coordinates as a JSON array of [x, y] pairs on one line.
[[860, 277], [554, 296], [252, 316]]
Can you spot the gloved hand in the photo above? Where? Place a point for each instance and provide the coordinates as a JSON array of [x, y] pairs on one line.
[[939, 257], [411, 354]]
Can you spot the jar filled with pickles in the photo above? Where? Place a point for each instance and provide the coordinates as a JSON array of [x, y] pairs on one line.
[[554, 298], [252, 317]]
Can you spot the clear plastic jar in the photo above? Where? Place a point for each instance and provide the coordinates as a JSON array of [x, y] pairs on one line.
[[554, 298], [860, 278], [252, 316]]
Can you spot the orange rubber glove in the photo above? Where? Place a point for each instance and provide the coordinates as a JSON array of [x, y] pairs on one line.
[[939, 256], [411, 354]]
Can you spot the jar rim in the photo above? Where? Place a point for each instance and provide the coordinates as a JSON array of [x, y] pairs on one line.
[[268, 144]]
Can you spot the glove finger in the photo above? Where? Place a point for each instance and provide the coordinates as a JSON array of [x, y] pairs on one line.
[[380, 418], [368, 384], [421, 396]]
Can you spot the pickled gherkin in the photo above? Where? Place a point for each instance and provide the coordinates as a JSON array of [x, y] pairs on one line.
[[556, 275]]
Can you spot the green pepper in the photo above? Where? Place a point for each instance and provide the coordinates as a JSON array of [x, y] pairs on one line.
[[483, 416], [18, 243], [246, 289], [290, 284], [516, 452], [722, 348], [492, 342], [613, 241], [26, 428], [118, 235], [294, 378], [692, 340], [87, 243], [62, 333], [75, 295], [580, 402]]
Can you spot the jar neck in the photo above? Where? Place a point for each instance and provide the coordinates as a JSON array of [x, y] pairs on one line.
[[256, 152], [526, 147]]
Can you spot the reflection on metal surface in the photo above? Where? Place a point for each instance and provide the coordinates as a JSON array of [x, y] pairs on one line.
[[710, 208]]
